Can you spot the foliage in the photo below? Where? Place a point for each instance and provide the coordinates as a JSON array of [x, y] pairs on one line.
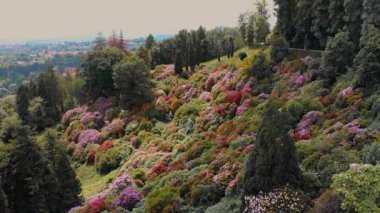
[[360, 186], [131, 78], [281, 200], [97, 70], [370, 154], [108, 160], [162, 200], [272, 163], [260, 68], [278, 49], [367, 62], [337, 57]]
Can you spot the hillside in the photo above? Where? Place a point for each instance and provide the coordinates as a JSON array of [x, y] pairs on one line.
[[185, 151]]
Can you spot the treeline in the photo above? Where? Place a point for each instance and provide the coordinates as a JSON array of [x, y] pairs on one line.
[[187, 49], [309, 23]]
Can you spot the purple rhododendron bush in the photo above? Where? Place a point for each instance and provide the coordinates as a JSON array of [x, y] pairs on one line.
[[190, 155]]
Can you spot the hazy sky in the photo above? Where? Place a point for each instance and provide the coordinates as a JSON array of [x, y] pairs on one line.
[[46, 19]]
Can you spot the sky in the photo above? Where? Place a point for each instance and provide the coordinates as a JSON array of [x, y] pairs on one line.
[[64, 19]]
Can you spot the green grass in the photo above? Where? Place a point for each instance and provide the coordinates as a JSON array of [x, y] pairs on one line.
[[91, 181]]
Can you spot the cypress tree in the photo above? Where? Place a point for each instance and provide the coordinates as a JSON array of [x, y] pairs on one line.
[[273, 162], [353, 21], [251, 31], [337, 57], [22, 101]]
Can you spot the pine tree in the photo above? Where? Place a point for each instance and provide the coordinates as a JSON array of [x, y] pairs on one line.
[[28, 181], [100, 42], [121, 42], [113, 40], [273, 162], [68, 185], [149, 42]]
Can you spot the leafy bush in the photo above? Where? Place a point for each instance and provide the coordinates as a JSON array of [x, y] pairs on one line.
[[162, 200], [242, 55], [260, 67], [370, 154], [328, 202], [226, 205], [108, 160], [360, 186], [278, 49]]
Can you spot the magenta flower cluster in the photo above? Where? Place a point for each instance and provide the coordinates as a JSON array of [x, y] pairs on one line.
[[167, 71], [89, 136], [120, 183], [243, 107], [128, 198], [346, 93], [299, 79]]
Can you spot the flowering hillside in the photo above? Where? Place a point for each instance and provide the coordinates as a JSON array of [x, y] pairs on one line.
[[185, 150]]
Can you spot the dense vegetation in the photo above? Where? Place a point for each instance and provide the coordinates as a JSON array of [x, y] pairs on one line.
[[221, 120]]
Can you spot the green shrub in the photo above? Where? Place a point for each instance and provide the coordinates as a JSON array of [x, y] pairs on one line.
[[242, 55], [162, 199], [279, 48], [260, 67], [226, 205], [206, 195], [108, 160], [370, 154], [360, 186]]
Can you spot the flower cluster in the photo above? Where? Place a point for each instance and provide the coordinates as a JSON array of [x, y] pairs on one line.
[[73, 114], [243, 107], [102, 104], [120, 183], [304, 131], [87, 118], [89, 136], [346, 93], [127, 199], [299, 79], [167, 71], [233, 97], [284, 200], [206, 96], [115, 128]]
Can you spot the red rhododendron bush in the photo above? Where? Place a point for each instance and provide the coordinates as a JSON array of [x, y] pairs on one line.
[[185, 150]]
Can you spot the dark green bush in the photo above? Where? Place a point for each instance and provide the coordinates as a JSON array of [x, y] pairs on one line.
[[108, 160], [242, 55]]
